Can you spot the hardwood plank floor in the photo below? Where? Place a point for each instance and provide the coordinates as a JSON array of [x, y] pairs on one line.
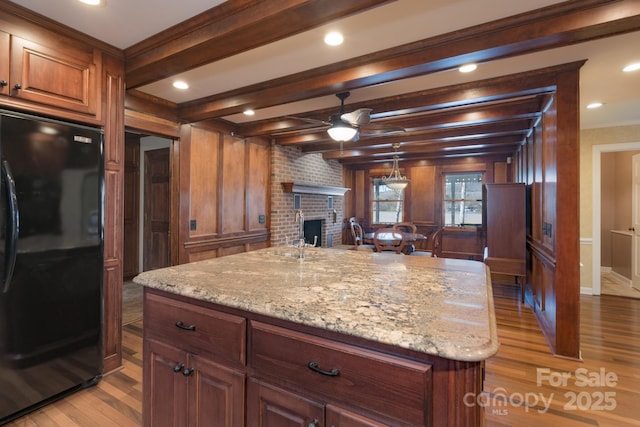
[[115, 401], [526, 386], [610, 342]]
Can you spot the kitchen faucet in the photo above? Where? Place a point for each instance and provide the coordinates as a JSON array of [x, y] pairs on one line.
[[300, 221]]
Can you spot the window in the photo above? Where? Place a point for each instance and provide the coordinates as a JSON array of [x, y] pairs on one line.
[[462, 198], [387, 204]]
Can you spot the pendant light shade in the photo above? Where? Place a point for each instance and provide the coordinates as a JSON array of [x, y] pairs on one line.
[[395, 181]]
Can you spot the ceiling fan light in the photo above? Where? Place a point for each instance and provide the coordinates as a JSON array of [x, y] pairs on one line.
[[341, 131]]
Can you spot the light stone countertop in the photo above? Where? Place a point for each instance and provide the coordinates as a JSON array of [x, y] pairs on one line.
[[437, 306]]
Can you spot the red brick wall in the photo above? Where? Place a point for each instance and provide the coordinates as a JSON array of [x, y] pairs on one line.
[[291, 165]]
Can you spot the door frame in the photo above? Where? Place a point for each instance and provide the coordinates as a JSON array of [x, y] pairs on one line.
[[596, 240]]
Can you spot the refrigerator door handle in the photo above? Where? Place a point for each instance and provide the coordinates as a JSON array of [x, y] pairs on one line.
[[13, 226]]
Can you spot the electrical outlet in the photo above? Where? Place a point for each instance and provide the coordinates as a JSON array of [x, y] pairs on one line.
[[192, 225], [261, 219]]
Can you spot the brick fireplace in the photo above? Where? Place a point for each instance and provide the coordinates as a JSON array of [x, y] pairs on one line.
[[289, 164]]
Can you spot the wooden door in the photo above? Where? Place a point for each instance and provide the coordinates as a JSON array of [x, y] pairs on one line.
[[130, 262], [165, 386], [156, 209], [216, 394], [268, 406]]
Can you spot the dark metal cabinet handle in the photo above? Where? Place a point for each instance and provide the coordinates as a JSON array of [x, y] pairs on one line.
[[17, 86], [178, 367], [181, 325], [3, 83], [187, 372], [314, 423], [333, 372]]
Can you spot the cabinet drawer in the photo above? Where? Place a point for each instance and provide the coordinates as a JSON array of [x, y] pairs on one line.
[[379, 383], [195, 329]]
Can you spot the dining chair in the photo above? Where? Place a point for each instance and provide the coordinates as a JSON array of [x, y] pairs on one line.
[[358, 238], [436, 243], [389, 239], [436, 246], [406, 227]]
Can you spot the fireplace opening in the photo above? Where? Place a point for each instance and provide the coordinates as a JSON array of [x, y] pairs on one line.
[[313, 227]]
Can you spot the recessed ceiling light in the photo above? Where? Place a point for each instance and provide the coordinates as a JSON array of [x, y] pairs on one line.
[[467, 68], [594, 105], [93, 2], [632, 67], [249, 112], [333, 38], [179, 84]]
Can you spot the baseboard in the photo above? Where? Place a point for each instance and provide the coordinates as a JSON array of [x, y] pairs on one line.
[[586, 291], [620, 278]]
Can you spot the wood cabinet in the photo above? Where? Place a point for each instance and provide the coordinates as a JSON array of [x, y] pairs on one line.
[[505, 211], [197, 360], [193, 365], [373, 383], [269, 406], [64, 76]]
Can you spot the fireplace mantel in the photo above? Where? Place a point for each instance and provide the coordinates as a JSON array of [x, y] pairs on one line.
[[308, 188]]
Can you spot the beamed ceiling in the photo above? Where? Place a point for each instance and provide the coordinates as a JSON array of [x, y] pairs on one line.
[[484, 117]]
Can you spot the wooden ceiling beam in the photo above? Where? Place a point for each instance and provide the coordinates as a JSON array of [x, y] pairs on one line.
[[417, 142], [436, 153], [233, 27], [554, 26], [285, 128]]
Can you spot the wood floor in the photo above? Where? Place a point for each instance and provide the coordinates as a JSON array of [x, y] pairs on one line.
[[610, 346], [612, 285]]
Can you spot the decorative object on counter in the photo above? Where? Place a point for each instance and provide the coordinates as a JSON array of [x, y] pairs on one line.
[[395, 181]]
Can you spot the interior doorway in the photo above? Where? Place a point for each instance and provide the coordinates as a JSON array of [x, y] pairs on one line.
[[597, 153], [146, 203]]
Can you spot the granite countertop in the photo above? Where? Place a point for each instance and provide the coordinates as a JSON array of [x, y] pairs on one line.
[[437, 306]]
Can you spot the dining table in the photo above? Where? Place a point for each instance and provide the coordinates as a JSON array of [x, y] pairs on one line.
[[410, 238]]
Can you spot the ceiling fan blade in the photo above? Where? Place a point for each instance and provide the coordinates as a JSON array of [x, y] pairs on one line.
[[308, 120], [358, 117], [380, 129]]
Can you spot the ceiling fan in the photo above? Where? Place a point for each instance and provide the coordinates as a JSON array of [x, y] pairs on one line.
[[350, 126]]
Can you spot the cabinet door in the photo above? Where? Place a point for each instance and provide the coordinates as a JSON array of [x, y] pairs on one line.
[[4, 63], [216, 394], [165, 385], [269, 406], [340, 417], [60, 78]]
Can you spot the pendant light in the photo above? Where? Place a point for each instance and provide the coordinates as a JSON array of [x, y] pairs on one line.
[[395, 181]]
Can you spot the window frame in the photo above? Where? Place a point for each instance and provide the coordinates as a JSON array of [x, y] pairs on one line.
[[375, 185], [446, 200]]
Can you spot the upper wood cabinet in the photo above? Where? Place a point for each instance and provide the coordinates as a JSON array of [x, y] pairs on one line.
[[4, 63], [64, 77]]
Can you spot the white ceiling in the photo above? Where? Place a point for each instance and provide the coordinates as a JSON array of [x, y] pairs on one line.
[[123, 23]]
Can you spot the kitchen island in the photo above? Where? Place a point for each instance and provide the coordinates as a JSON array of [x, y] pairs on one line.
[[337, 338]]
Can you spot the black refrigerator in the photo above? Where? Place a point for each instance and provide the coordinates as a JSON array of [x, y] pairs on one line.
[[51, 261]]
